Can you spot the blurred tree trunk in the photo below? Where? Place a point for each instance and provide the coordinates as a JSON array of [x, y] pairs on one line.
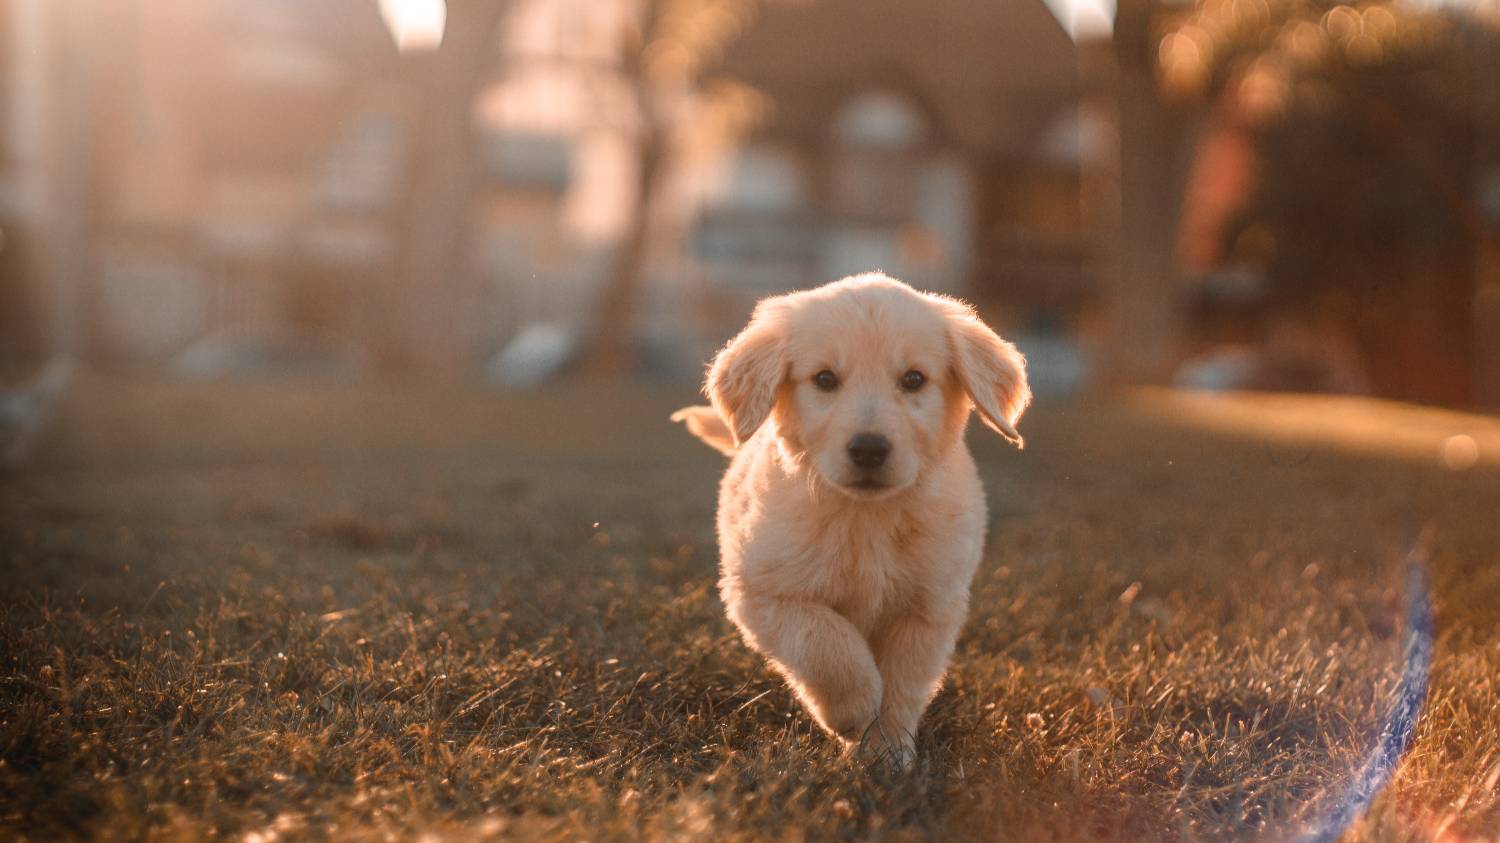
[[433, 280], [613, 348], [1137, 205], [69, 171], [616, 345], [664, 62]]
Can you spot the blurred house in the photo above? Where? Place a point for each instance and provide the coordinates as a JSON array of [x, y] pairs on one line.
[[241, 167], [232, 183], [194, 168], [175, 170], [938, 141]]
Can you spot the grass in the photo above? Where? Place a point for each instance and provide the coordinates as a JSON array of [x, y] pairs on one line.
[[271, 612]]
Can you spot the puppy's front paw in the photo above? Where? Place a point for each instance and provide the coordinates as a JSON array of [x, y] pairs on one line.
[[849, 714], [887, 745]]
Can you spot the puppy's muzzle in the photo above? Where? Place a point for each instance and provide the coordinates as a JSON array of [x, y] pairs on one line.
[[869, 450]]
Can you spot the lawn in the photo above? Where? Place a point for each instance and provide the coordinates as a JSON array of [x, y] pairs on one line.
[[273, 611]]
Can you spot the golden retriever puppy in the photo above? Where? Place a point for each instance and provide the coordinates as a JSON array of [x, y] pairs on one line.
[[851, 517]]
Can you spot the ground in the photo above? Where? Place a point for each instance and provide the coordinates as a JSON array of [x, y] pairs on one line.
[[272, 611]]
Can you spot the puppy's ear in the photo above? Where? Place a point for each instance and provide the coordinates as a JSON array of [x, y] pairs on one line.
[[743, 379], [991, 370]]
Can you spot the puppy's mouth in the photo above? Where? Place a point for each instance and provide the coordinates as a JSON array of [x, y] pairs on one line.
[[867, 487]]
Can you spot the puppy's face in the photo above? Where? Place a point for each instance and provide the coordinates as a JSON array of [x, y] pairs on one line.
[[868, 381], [869, 397]]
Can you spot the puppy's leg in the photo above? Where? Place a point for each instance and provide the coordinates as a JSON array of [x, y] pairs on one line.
[[824, 658], [912, 654]]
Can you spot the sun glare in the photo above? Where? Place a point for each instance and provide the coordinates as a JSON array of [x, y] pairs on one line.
[[1084, 20], [417, 25]]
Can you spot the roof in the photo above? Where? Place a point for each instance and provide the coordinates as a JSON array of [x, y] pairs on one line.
[[990, 73]]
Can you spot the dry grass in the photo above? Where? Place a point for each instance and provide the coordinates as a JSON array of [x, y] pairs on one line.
[[272, 612]]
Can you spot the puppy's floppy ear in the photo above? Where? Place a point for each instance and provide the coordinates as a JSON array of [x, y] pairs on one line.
[[743, 379], [991, 370]]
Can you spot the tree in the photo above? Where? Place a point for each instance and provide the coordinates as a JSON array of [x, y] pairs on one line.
[[438, 196], [430, 216], [1371, 125], [682, 110], [1132, 197]]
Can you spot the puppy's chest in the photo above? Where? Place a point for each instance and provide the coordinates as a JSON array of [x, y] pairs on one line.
[[866, 568]]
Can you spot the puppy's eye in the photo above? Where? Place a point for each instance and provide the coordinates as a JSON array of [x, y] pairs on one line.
[[913, 380], [826, 381]]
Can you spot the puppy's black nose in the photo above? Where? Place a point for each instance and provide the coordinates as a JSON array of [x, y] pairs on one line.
[[869, 450]]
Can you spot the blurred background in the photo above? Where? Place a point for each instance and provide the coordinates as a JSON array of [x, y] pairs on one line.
[[1284, 194], [378, 310]]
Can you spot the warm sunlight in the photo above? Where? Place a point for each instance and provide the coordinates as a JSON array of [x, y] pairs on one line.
[[467, 420], [417, 25], [1084, 19]]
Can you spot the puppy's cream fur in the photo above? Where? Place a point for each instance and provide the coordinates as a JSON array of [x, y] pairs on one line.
[[854, 581]]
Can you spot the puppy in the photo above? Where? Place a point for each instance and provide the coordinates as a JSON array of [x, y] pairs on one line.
[[851, 517]]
